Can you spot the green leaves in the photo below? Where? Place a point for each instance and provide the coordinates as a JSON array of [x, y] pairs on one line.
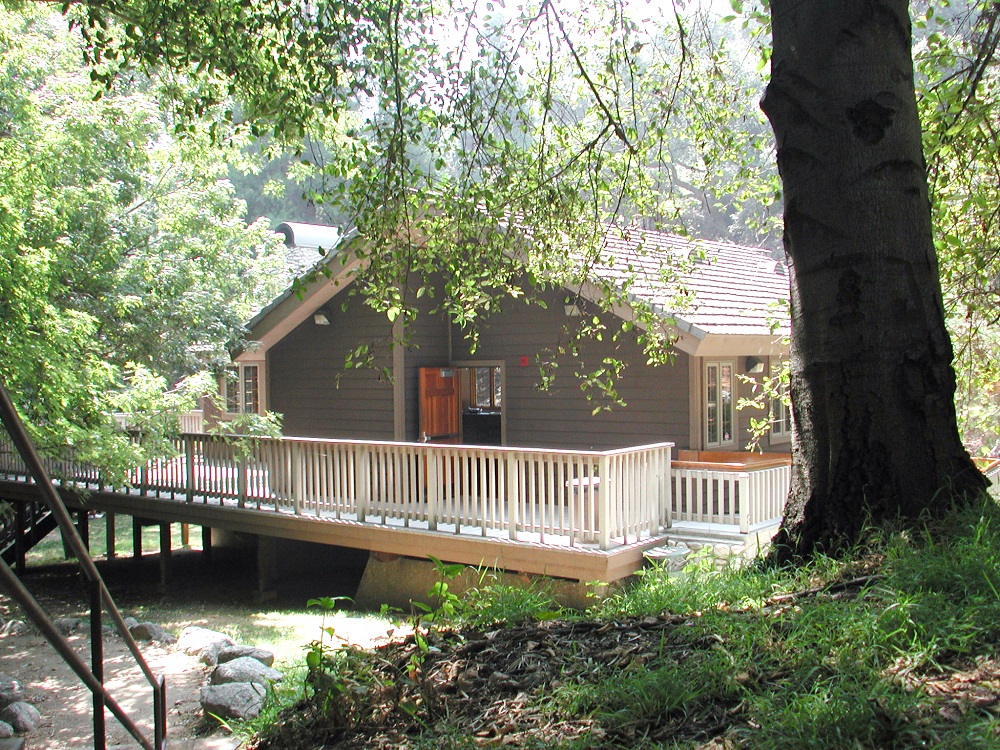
[[125, 263]]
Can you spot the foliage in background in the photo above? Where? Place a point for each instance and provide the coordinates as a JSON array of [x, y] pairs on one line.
[[960, 106], [125, 261]]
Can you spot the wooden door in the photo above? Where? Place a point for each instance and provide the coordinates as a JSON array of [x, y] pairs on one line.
[[439, 407]]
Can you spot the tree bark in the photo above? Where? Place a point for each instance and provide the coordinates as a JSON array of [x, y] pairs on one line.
[[875, 435]]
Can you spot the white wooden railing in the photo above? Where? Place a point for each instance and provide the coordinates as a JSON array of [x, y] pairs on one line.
[[742, 498], [539, 495], [545, 496], [193, 422]]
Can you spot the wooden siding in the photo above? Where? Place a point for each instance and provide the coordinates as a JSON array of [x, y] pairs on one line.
[[657, 397], [304, 367]]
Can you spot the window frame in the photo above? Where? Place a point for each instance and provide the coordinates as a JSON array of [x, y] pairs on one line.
[[246, 378], [718, 365], [495, 386]]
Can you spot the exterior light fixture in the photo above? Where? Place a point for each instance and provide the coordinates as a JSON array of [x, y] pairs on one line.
[[755, 365], [321, 317]]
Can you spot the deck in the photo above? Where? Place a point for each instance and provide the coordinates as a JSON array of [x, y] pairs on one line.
[[583, 515]]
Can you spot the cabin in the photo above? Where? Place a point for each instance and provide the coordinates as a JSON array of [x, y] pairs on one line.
[[439, 388], [443, 449]]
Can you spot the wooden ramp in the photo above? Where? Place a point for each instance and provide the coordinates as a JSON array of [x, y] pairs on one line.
[[578, 563]]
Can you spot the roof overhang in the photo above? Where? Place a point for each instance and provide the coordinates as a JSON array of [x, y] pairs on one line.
[[300, 301], [732, 344]]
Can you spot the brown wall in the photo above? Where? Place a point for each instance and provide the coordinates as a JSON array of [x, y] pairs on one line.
[[656, 397], [303, 372], [308, 384], [427, 347]]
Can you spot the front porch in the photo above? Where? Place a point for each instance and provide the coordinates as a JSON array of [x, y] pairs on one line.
[[557, 512]]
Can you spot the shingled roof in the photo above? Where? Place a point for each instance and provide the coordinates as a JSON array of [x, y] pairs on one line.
[[731, 297], [729, 289]]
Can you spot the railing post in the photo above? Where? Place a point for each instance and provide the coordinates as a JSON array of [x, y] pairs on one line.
[[298, 478], [189, 467], [242, 468], [665, 469], [513, 500], [603, 493], [363, 478], [433, 481], [144, 478], [746, 502]]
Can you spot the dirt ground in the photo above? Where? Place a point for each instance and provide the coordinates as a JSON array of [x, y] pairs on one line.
[[218, 596]]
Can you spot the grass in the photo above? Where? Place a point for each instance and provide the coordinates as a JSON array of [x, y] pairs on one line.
[[821, 671], [835, 654]]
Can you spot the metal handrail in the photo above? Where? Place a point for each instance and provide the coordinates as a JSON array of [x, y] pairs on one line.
[[100, 597]]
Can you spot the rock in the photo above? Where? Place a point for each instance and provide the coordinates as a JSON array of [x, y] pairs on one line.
[[130, 622], [23, 717], [11, 691], [209, 656], [244, 669], [228, 653], [238, 700], [193, 639], [6, 731], [16, 628], [67, 625], [150, 631]]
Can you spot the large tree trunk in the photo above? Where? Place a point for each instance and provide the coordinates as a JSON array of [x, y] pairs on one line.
[[872, 386]]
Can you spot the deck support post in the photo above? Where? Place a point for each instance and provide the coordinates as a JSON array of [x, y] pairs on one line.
[[185, 535], [109, 534], [83, 527], [136, 537], [206, 543], [267, 568], [165, 555]]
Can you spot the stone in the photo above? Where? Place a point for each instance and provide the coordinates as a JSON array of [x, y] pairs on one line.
[[23, 717], [228, 653], [16, 628], [67, 625], [244, 669], [11, 690], [193, 639], [150, 631], [209, 656], [6, 731], [237, 700], [130, 622]]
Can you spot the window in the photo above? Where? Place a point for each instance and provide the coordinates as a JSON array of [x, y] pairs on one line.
[[720, 415], [781, 415], [242, 389], [486, 387]]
